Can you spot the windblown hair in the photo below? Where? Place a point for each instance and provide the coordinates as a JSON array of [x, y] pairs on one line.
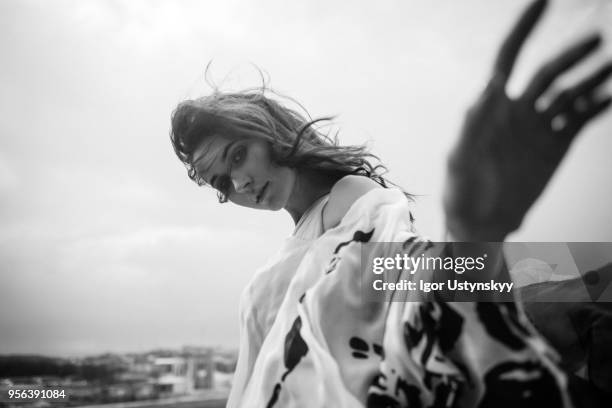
[[294, 141]]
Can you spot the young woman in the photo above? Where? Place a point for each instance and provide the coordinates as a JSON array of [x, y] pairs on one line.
[[257, 153], [309, 336]]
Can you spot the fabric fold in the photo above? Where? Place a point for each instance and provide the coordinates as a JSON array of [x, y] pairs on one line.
[[329, 346]]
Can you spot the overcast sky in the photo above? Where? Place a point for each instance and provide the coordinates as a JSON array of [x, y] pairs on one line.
[[106, 245]]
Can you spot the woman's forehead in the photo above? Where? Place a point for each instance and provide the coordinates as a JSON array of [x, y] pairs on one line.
[[207, 155]]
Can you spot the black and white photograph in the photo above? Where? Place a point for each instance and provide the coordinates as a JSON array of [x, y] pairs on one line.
[[265, 203]]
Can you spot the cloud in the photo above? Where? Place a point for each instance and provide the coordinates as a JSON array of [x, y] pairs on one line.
[[8, 176]]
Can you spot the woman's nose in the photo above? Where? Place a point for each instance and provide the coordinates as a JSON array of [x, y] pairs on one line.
[[242, 185]]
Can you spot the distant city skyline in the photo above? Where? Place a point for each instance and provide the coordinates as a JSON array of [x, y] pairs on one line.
[[190, 374]]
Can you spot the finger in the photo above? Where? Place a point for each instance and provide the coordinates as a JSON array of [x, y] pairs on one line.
[[578, 120], [549, 72], [513, 43], [568, 99]]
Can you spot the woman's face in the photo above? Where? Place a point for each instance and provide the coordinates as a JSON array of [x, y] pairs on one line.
[[243, 171]]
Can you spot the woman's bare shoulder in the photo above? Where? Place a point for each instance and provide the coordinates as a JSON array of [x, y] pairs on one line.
[[343, 194]]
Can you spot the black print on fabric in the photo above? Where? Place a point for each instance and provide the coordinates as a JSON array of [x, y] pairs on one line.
[[410, 240], [446, 392], [361, 349], [410, 393], [421, 245], [381, 401], [426, 332], [525, 385], [295, 349], [440, 325], [437, 327], [358, 236], [449, 328], [274, 397], [501, 321], [443, 331]]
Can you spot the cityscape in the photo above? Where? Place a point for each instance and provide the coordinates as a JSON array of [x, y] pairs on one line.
[[191, 376]]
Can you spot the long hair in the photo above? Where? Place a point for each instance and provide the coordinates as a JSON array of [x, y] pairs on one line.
[[294, 141]]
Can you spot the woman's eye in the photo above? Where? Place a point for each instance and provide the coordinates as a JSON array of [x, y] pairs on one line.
[[238, 155]]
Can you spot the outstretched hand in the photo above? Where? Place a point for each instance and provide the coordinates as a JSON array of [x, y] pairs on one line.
[[509, 148]]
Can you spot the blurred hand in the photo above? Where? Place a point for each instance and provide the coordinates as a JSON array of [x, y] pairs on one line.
[[509, 148]]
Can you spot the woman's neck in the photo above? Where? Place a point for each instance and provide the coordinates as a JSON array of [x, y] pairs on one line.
[[309, 186]]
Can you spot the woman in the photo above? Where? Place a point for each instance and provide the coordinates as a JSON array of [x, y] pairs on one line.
[[261, 155], [309, 337], [258, 154], [275, 158]]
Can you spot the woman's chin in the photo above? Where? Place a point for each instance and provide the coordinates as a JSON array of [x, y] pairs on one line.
[[273, 207]]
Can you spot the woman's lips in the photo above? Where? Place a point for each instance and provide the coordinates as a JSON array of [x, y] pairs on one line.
[[262, 192]]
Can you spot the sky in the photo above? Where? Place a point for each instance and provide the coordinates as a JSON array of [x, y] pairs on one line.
[[106, 245]]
